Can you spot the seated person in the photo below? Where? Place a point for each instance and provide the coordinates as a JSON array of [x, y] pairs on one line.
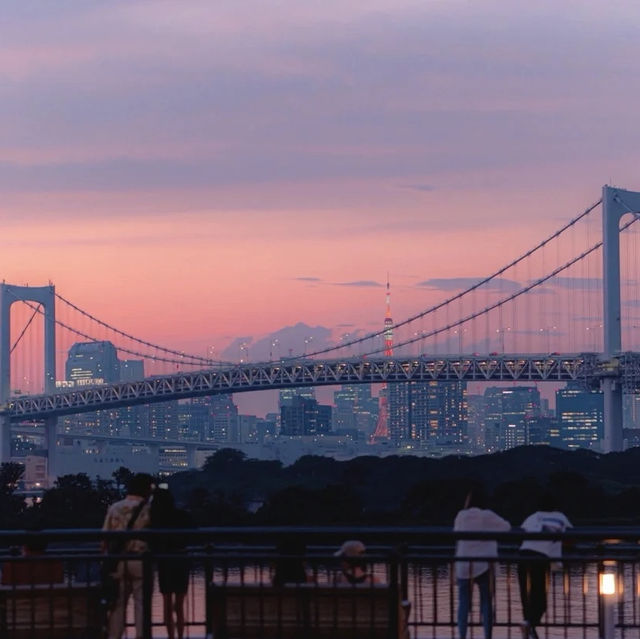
[[34, 569], [354, 569], [289, 566]]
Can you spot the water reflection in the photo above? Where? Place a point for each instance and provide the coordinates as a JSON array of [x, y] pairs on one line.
[[572, 611]]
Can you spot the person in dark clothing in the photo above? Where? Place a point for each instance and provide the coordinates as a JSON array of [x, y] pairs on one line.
[[173, 570], [534, 566], [289, 566]]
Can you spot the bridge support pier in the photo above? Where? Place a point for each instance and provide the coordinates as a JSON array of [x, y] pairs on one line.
[[191, 457], [615, 204], [51, 437], [612, 391], [5, 439], [44, 296]]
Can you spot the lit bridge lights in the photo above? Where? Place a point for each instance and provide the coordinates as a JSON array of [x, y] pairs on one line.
[[584, 367]]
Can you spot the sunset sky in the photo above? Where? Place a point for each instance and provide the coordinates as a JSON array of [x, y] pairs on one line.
[[196, 171]]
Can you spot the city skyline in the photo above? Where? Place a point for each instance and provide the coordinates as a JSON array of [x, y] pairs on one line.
[[196, 174]]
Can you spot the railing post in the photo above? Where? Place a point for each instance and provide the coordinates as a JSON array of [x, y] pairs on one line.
[[607, 597], [404, 571], [394, 595], [208, 580], [147, 593]]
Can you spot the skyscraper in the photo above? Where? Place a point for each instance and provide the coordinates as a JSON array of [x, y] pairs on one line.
[[131, 370], [224, 419], [580, 415], [507, 411], [304, 416], [356, 409], [287, 395], [438, 413], [97, 361]]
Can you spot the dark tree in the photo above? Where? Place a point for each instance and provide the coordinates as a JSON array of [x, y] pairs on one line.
[[121, 476], [12, 506]]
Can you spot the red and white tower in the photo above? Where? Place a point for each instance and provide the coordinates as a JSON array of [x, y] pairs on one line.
[[382, 427], [388, 325]]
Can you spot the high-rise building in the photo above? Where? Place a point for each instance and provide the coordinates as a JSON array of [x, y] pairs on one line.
[[506, 413], [398, 413], [438, 412], [132, 422], [287, 395], [96, 361], [475, 421], [193, 419], [544, 430], [631, 411], [303, 416], [268, 426], [580, 414], [247, 428], [345, 401], [224, 420], [356, 409], [162, 420], [131, 370]]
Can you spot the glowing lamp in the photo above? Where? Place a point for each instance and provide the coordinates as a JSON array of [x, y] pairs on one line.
[[607, 583]]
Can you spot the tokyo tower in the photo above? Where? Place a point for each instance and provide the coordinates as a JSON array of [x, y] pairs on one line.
[[382, 427]]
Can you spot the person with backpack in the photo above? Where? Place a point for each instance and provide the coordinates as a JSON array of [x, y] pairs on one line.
[[130, 513]]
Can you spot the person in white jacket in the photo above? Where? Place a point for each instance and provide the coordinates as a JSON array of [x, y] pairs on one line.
[[536, 555], [477, 554]]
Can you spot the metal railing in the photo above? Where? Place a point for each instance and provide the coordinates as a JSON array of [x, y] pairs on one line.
[[417, 564]]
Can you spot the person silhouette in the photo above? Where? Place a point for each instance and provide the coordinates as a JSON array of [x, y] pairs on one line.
[[476, 567]]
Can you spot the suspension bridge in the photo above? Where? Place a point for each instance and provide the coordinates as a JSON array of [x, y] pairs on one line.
[[564, 310]]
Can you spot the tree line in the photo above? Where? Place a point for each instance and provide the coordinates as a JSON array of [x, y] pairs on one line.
[[395, 490]]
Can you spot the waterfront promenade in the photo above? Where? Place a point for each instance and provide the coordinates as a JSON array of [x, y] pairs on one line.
[[416, 564]]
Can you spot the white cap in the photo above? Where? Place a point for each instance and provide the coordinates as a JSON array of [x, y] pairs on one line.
[[351, 548]]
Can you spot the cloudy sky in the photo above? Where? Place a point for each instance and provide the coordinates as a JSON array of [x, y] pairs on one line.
[[197, 171]]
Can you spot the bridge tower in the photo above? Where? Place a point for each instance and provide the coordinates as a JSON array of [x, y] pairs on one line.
[[382, 426], [615, 203], [44, 296]]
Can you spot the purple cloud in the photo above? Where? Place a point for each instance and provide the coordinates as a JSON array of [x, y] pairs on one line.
[[576, 283], [461, 283], [360, 283]]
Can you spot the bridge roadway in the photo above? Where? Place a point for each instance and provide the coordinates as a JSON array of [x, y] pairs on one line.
[[38, 431], [587, 368]]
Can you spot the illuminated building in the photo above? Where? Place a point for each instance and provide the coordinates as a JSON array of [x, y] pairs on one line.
[[356, 409], [507, 411], [580, 415], [93, 361], [438, 413], [223, 426], [303, 416], [286, 396]]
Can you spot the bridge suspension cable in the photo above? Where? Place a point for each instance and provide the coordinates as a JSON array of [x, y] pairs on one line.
[[470, 289], [195, 358], [507, 299], [24, 330], [200, 360]]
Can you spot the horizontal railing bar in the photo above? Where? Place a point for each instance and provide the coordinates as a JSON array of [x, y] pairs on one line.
[[608, 535]]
